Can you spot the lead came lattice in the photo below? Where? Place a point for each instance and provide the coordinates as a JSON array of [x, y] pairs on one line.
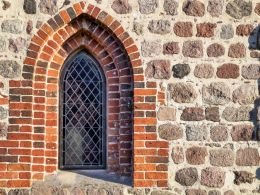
[[83, 108]]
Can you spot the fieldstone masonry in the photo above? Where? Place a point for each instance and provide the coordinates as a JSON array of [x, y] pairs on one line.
[[195, 93]]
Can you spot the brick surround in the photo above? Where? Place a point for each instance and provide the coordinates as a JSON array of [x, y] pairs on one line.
[[31, 149]]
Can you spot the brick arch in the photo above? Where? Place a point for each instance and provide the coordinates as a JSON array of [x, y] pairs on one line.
[[34, 99]]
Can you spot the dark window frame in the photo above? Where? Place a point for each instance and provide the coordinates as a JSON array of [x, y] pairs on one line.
[[64, 70]]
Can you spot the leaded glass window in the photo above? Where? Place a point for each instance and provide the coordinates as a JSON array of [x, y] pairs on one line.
[[82, 114]]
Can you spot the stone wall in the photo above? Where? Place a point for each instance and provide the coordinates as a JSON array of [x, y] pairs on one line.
[[202, 57]]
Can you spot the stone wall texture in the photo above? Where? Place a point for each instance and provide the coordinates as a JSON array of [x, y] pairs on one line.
[[200, 57]]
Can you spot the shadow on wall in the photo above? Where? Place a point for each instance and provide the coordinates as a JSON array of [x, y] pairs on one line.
[[254, 46]]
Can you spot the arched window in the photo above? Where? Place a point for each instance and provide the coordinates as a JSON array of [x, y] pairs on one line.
[[82, 114]]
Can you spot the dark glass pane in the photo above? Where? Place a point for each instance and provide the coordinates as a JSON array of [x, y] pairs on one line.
[[83, 107]]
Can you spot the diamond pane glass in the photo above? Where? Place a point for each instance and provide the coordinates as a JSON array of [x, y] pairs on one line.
[[83, 109]]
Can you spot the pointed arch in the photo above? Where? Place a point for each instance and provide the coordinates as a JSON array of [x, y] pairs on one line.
[[133, 145]]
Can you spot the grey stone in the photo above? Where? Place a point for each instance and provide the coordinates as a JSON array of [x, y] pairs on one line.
[[147, 6], [9, 69], [121, 7], [159, 26], [138, 28], [214, 192], [151, 48], [182, 92], [213, 177], [165, 113], [239, 8], [186, 176], [2, 44], [251, 71], [3, 130], [204, 71], [192, 49], [180, 70], [29, 6], [170, 132], [237, 114], [177, 155], [219, 133], [17, 45], [215, 7], [212, 114], [158, 69], [19, 192], [195, 192], [221, 157], [217, 93], [245, 94], [12, 26], [196, 132], [193, 8], [48, 7], [29, 27], [170, 7], [3, 113], [243, 177], [227, 32]]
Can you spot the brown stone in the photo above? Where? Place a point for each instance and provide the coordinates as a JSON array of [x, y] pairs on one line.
[[228, 71], [243, 177], [237, 50], [219, 133], [182, 92], [186, 176], [177, 155], [165, 114], [215, 7], [254, 54], [215, 50], [257, 9], [170, 7], [242, 132], [158, 69], [192, 49], [213, 177], [205, 29], [212, 114], [121, 7], [205, 71], [195, 192], [247, 157], [193, 8], [245, 94], [239, 8], [193, 114], [229, 192], [161, 27], [170, 132], [221, 157], [171, 48], [244, 29], [196, 155], [251, 71], [183, 29]]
